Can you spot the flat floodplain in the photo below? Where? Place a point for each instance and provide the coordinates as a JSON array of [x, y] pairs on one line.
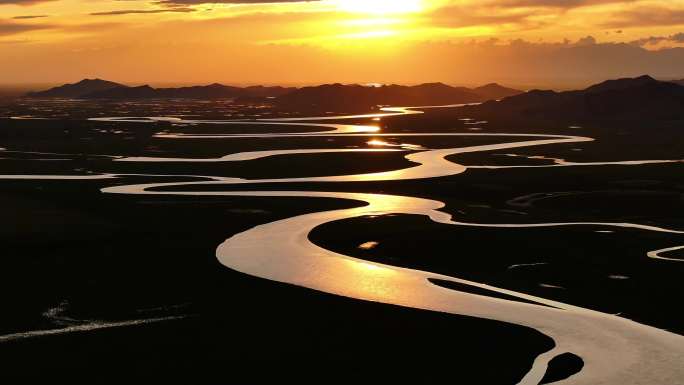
[[116, 225]]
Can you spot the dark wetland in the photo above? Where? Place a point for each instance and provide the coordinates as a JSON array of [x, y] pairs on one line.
[[133, 252]]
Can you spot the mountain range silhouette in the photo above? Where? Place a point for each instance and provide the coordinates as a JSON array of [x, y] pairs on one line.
[[640, 97], [322, 96]]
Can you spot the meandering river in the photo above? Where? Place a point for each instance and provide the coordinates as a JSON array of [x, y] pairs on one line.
[[615, 350]]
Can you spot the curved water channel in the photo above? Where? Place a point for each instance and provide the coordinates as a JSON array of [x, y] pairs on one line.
[[614, 350]]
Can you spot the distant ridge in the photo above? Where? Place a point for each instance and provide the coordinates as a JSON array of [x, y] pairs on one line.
[[493, 91], [622, 84], [209, 92], [77, 90], [102, 89], [327, 96], [640, 97], [357, 97]]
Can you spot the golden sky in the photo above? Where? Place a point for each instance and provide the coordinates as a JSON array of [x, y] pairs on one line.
[[306, 42]]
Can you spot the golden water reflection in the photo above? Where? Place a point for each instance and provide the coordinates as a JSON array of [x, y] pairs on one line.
[[368, 245]]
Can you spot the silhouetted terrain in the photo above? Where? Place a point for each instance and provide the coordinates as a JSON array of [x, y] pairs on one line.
[[642, 97], [102, 89], [78, 257], [329, 96], [493, 91], [356, 97], [212, 91], [77, 90]]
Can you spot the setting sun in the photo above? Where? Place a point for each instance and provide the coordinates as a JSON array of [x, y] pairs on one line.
[[380, 7]]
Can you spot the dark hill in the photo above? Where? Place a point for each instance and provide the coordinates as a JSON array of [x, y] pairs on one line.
[[325, 97], [357, 97], [631, 98], [494, 91], [124, 92], [102, 89], [76, 90], [622, 84], [212, 91], [268, 92]]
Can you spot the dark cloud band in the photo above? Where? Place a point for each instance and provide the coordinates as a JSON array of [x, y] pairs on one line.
[[142, 11]]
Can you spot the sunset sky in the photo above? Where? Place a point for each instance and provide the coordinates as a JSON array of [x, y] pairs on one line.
[[535, 42]]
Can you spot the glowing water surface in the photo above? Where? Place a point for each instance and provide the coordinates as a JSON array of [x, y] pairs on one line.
[[615, 350]]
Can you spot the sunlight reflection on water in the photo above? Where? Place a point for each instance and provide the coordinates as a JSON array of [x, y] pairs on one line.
[[368, 245]]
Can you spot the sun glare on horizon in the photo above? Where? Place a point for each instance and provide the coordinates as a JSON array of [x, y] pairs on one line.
[[380, 7]]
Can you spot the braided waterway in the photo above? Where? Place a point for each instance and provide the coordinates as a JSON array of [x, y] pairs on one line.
[[614, 349]]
